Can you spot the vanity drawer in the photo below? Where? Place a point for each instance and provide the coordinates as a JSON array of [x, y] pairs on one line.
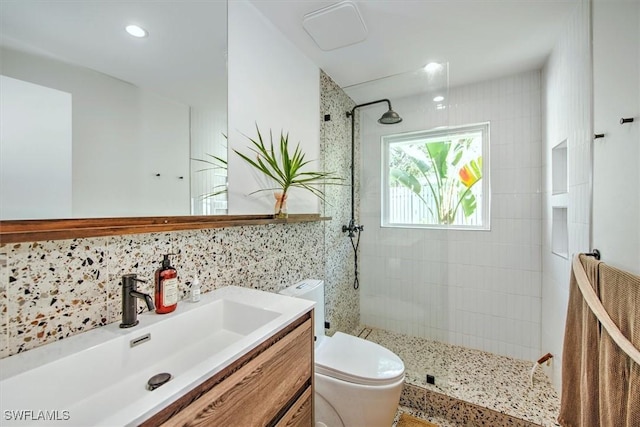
[[300, 414], [260, 391]]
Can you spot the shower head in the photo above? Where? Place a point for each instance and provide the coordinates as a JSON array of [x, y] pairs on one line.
[[390, 118]]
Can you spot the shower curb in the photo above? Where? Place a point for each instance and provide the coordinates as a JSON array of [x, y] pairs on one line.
[[456, 410]]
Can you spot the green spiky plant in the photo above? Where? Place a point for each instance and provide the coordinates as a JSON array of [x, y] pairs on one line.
[[215, 163], [285, 168]]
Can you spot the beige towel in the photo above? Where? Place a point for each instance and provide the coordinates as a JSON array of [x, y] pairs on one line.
[[579, 402], [619, 375]]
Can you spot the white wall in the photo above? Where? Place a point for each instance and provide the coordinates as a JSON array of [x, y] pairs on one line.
[[616, 176], [35, 151], [479, 289], [567, 116], [273, 84], [122, 137]]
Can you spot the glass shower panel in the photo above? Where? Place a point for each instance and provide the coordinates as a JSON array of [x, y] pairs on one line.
[[342, 301], [406, 289]]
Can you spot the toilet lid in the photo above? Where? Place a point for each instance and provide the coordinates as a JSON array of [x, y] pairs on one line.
[[358, 361]]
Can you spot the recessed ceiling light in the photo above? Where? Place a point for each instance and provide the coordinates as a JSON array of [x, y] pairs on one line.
[[438, 98], [432, 67], [136, 31]]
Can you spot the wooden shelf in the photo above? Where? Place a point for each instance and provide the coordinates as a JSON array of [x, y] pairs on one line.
[[60, 229]]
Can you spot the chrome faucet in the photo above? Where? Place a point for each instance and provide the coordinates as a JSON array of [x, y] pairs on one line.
[[129, 295]]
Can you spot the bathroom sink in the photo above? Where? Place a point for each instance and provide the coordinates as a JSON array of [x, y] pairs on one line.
[[100, 377]]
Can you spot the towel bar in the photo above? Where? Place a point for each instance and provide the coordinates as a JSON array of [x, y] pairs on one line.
[[595, 253]]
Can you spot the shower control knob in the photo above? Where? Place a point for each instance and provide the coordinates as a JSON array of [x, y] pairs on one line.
[[352, 228]]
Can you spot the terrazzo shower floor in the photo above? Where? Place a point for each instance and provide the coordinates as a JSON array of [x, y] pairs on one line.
[[492, 385]]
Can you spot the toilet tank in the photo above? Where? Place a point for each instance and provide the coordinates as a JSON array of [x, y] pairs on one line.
[[312, 290]]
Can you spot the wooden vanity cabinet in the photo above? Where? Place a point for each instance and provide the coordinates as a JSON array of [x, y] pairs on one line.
[[272, 385]]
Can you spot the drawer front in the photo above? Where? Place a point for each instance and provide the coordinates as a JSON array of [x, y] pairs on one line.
[[259, 390], [300, 414]]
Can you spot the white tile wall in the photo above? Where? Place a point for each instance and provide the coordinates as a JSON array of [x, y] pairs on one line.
[[479, 289], [567, 105]]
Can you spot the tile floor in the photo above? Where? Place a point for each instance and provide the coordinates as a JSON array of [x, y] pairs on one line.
[[440, 422], [499, 383]]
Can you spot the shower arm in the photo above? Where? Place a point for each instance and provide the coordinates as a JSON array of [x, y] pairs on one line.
[[352, 227]]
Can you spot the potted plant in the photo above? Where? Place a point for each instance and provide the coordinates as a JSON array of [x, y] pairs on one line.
[[285, 169]]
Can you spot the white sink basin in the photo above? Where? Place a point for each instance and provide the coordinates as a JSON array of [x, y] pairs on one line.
[[97, 378]]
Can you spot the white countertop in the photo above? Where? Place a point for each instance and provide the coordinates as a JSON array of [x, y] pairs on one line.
[[96, 378]]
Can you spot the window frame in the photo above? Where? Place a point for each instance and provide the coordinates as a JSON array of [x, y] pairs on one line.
[[484, 128]]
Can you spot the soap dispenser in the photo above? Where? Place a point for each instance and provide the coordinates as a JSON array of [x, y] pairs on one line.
[[195, 290], [166, 287]]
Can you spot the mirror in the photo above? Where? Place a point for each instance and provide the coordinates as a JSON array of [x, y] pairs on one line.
[[98, 123]]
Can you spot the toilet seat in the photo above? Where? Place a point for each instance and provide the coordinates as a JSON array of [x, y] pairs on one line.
[[357, 361]]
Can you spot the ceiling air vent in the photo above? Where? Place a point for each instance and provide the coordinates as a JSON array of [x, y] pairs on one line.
[[336, 26]]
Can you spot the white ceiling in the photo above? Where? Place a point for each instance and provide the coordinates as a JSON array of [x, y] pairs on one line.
[[479, 39], [184, 57]]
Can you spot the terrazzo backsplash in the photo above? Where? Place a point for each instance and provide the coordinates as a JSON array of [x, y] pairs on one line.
[[50, 290]]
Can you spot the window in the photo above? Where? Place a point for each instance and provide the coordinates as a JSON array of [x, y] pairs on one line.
[[437, 178]]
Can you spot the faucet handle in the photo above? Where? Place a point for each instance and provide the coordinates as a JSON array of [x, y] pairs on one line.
[[132, 277]]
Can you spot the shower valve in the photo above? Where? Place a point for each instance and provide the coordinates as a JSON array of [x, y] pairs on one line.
[[352, 228]]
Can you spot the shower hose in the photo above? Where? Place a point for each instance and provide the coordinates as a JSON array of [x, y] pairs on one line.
[[355, 243]]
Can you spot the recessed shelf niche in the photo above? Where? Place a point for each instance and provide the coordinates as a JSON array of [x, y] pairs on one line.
[[559, 200], [559, 233], [559, 168]]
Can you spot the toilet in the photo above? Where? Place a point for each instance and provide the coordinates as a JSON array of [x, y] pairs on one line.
[[357, 382]]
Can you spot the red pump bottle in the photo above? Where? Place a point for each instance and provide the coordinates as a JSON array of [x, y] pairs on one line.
[[166, 295]]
